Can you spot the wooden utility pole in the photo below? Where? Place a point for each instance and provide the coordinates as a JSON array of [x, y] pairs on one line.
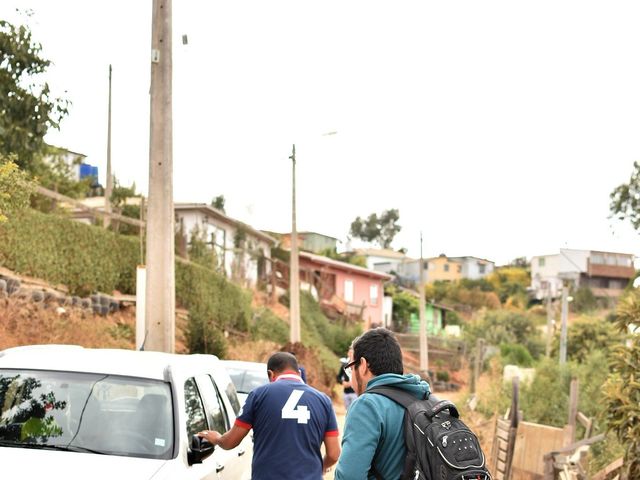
[[424, 345], [109, 190], [565, 317], [160, 255], [294, 273]]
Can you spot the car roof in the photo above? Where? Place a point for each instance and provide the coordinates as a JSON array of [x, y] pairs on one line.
[[144, 364], [242, 365]]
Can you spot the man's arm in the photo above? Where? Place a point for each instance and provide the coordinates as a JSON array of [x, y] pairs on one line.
[[229, 440], [332, 451], [360, 440]]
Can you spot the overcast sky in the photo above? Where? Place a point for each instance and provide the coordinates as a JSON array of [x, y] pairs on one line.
[[498, 128]]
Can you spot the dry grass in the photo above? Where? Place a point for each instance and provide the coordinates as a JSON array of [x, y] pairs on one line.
[[27, 323]]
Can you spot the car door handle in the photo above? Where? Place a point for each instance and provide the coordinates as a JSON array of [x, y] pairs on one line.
[[241, 452], [219, 467]]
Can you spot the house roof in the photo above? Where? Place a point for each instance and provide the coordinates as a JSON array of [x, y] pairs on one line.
[[345, 266], [311, 233], [379, 252], [470, 256], [214, 212]]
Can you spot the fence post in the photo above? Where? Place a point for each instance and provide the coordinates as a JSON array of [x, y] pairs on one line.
[[573, 412], [477, 364]]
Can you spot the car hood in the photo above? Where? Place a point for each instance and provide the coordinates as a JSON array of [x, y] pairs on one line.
[[56, 465]]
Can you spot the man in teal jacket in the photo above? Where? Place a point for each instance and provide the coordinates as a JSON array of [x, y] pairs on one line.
[[373, 441]]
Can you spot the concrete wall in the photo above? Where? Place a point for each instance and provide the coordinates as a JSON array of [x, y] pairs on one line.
[[472, 268], [545, 269], [442, 268]]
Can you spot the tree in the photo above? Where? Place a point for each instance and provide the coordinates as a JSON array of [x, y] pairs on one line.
[[119, 197], [15, 188], [27, 107], [622, 389], [625, 199], [380, 229], [218, 203]]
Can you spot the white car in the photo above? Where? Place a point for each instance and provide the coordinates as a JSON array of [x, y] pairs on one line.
[[246, 376], [68, 412]]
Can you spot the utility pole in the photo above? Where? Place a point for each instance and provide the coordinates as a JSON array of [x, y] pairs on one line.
[[294, 272], [424, 345], [549, 322], [160, 291], [109, 190], [563, 331]]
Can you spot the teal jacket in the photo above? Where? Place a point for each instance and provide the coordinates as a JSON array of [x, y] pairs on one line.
[[374, 429]]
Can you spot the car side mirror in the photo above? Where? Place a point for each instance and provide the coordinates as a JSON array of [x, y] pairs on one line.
[[199, 450]]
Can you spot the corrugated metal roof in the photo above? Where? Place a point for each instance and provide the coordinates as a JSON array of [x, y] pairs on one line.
[[344, 265]]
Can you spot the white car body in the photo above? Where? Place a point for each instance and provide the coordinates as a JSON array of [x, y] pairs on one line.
[[169, 369]]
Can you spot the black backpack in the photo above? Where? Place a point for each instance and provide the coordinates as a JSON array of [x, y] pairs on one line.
[[439, 445]]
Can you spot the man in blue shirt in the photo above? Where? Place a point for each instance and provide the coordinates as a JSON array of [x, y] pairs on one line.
[[373, 440], [290, 421]]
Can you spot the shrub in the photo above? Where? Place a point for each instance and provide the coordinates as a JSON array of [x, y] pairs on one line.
[[266, 325], [515, 355], [587, 335], [442, 376], [584, 300], [505, 326], [85, 258], [88, 259], [622, 390]]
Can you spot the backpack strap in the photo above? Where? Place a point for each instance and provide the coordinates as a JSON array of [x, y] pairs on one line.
[[398, 395]]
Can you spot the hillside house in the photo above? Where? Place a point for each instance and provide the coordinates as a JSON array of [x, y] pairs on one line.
[[443, 268], [241, 251], [345, 289], [605, 273]]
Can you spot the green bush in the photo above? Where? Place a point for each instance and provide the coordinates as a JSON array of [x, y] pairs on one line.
[[266, 325], [584, 300], [442, 376], [587, 335], [506, 326], [89, 259], [85, 258], [514, 354]]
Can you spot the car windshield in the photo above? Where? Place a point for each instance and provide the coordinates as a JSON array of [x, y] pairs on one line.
[[95, 413], [247, 380]]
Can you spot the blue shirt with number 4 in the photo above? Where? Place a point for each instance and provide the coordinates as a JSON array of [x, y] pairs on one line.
[[290, 420]]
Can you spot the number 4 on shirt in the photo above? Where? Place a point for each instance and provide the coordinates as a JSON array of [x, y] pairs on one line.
[[292, 411]]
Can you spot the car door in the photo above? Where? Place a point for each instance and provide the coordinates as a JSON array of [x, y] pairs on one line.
[[197, 421], [235, 463]]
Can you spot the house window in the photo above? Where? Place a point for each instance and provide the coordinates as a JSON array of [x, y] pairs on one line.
[[459, 268], [446, 267], [541, 262], [348, 290], [597, 258], [624, 261], [482, 268], [373, 295]]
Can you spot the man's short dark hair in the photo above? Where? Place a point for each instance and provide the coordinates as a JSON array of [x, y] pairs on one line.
[[381, 350], [281, 361]]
